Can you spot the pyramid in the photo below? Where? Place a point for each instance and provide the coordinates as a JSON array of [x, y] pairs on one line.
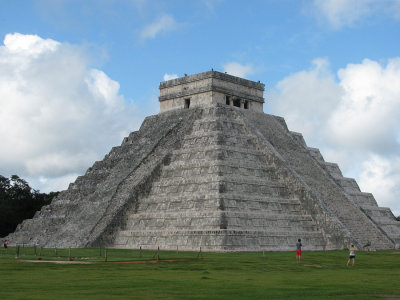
[[211, 170]]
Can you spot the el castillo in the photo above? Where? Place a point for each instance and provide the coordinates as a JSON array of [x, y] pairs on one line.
[[212, 170]]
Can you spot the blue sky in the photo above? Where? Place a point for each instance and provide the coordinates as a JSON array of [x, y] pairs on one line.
[[276, 37], [90, 70]]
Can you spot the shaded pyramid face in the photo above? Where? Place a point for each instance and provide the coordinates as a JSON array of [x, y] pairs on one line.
[[215, 176]]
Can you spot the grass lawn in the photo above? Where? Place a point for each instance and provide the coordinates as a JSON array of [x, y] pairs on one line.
[[321, 275]]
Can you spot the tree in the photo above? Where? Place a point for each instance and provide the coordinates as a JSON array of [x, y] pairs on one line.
[[18, 201]]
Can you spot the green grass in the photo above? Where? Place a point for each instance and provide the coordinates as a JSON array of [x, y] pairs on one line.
[[321, 275]]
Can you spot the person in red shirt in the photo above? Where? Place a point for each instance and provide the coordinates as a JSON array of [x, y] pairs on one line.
[[298, 250]]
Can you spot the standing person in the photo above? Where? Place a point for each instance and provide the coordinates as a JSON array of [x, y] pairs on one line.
[[298, 250], [5, 245], [352, 255]]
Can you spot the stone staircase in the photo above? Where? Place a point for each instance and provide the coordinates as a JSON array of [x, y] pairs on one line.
[[218, 192]]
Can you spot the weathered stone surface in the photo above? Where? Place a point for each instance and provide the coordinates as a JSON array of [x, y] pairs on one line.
[[215, 176]]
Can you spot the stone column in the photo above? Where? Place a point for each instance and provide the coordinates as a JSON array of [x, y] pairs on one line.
[[233, 98], [241, 103]]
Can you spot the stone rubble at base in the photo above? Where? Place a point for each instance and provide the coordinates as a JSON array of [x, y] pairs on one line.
[[212, 171]]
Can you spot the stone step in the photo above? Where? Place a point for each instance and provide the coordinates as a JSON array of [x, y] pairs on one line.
[[220, 183], [219, 152], [333, 169], [218, 138], [316, 154], [376, 211], [348, 184], [221, 148], [217, 231], [220, 240], [220, 119], [223, 205], [299, 138], [225, 201], [222, 124], [207, 195], [173, 205], [393, 230], [383, 221], [217, 213], [207, 163], [210, 222], [212, 178], [225, 170], [362, 199]]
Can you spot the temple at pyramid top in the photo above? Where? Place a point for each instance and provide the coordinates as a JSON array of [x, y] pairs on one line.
[[211, 88]]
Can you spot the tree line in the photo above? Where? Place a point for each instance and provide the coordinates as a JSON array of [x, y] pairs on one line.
[[18, 201]]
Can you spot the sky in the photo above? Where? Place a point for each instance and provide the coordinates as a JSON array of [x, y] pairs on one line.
[[78, 76]]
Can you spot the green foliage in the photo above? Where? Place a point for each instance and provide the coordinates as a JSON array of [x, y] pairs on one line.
[[182, 275], [18, 201]]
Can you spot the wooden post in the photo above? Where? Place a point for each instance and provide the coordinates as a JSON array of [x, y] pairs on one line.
[[55, 251], [200, 255], [105, 255], [158, 253], [34, 248], [69, 254], [140, 251], [40, 252], [18, 251]]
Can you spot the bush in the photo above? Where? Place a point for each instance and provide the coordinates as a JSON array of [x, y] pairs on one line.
[[18, 201]]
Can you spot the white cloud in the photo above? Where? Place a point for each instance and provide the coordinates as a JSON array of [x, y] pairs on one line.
[[345, 13], [28, 45], [381, 176], [236, 69], [307, 97], [163, 24], [367, 116], [58, 115], [352, 119], [170, 76]]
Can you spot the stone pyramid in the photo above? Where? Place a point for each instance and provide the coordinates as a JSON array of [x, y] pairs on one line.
[[212, 170]]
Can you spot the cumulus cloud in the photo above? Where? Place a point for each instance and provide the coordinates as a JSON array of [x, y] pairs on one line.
[[163, 24], [382, 174], [367, 115], [58, 115], [170, 76], [236, 69], [352, 116], [307, 97], [344, 13]]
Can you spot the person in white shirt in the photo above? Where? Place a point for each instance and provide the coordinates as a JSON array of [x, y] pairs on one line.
[[352, 255]]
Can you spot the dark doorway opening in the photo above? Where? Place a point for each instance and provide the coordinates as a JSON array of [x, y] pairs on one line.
[[236, 102], [246, 104], [187, 103], [228, 100]]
